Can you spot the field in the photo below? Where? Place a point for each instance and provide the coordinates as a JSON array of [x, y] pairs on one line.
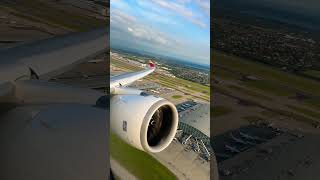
[[40, 11], [305, 111], [312, 73], [267, 73], [176, 96], [220, 111], [266, 89], [140, 164], [192, 89], [250, 92]]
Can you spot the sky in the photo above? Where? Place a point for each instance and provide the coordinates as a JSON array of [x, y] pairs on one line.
[[174, 28]]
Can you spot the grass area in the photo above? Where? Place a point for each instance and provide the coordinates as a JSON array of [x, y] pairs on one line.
[[276, 82], [220, 89], [266, 72], [222, 73], [313, 102], [299, 117], [289, 114], [249, 92], [312, 73], [269, 114], [139, 163], [269, 87], [252, 119], [187, 91], [305, 111], [292, 115], [188, 86], [124, 65], [220, 111], [176, 96], [205, 97], [39, 11]]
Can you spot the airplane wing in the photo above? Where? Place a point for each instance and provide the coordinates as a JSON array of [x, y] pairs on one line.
[[128, 78], [50, 57], [50, 130]]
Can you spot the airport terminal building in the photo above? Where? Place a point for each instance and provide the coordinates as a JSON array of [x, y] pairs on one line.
[[194, 127]]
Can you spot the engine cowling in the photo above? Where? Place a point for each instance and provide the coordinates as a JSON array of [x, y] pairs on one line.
[[146, 122]]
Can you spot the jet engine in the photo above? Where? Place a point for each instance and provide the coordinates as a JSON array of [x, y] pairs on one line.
[[144, 121]]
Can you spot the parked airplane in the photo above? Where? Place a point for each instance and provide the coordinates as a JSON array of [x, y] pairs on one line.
[[238, 140], [232, 149], [146, 122], [252, 137]]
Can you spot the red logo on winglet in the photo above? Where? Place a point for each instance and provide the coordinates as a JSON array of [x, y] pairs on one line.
[[151, 64]]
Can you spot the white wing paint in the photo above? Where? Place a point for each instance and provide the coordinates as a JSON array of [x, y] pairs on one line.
[[125, 79]]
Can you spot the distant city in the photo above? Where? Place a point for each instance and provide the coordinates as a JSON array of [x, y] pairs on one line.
[[186, 70], [289, 50]]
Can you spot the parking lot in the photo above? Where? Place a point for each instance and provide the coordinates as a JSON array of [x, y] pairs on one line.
[[233, 142]]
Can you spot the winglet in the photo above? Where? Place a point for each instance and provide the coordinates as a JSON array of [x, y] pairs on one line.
[[151, 65]]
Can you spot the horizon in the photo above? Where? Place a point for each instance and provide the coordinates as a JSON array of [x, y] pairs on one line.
[[178, 29], [153, 55], [294, 12]]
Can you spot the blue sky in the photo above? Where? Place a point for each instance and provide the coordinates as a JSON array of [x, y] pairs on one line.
[[176, 28]]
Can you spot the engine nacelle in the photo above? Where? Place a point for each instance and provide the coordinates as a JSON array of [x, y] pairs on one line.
[[146, 122]]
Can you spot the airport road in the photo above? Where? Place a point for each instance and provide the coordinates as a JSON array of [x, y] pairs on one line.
[[120, 171]]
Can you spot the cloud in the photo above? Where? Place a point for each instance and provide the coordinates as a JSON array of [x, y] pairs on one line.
[[204, 5], [179, 7], [119, 4], [198, 22], [175, 7], [130, 25], [157, 17], [152, 25]]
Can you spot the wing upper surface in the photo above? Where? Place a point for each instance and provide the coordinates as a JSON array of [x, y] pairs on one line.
[[128, 78], [53, 56]]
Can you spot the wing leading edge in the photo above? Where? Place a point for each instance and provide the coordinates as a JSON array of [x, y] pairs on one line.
[[128, 78]]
